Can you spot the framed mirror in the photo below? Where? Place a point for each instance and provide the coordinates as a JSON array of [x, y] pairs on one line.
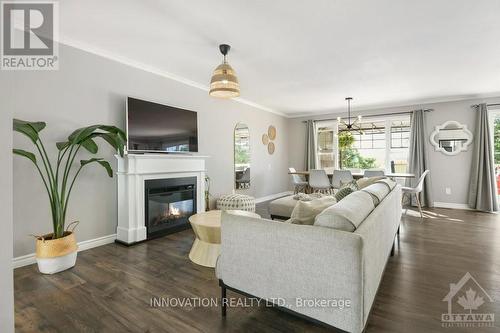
[[451, 138], [242, 157]]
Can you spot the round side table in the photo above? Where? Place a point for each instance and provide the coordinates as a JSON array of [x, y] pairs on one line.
[[206, 226]]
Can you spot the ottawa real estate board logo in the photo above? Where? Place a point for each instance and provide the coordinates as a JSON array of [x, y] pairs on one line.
[[29, 29], [467, 305]]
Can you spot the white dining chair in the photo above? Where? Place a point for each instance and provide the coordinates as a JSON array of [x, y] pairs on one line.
[[341, 177], [318, 181], [373, 173], [416, 190], [299, 182]]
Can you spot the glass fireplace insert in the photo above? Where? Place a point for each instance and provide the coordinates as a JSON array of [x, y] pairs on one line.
[[169, 204]]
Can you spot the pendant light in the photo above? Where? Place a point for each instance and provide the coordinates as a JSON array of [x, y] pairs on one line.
[[224, 83], [349, 125]]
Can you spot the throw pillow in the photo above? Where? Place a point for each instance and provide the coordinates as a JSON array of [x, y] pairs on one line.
[[343, 192], [364, 182], [352, 184], [307, 197], [305, 211]]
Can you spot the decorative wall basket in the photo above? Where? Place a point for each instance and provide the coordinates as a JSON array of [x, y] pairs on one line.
[[270, 148], [271, 132], [267, 139]]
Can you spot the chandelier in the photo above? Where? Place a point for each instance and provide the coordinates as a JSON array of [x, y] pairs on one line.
[[350, 125]]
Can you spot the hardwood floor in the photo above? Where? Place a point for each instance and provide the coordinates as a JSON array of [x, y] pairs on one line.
[[111, 287]]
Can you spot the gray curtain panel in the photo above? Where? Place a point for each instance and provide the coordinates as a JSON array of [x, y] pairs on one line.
[[482, 187], [310, 162], [418, 160]]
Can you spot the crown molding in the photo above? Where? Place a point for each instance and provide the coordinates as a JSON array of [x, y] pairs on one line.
[[154, 70], [404, 104]]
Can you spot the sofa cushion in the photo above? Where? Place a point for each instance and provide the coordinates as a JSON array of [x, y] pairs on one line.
[[389, 182], [378, 191], [348, 213], [305, 211], [364, 182]]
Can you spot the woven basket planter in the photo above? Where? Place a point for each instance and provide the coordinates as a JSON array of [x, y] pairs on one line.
[[56, 255]]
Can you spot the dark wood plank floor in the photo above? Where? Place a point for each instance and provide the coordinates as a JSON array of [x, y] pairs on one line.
[[111, 287]]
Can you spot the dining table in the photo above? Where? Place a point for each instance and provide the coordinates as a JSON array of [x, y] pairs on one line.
[[358, 175]]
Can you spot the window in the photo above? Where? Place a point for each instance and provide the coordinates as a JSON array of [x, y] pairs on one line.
[[370, 135], [400, 134], [326, 152], [375, 143]]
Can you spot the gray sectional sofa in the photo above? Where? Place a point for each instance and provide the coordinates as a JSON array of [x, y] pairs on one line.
[[328, 272]]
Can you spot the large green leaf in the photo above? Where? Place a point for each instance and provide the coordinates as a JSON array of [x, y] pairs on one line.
[[106, 166], [81, 134], [62, 145], [99, 160], [36, 125], [30, 129], [114, 130], [26, 154], [114, 140], [90, 145]]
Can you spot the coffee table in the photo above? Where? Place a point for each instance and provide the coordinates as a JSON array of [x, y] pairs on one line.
[[206, 226]]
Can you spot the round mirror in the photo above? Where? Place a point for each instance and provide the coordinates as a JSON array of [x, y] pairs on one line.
[[451, 138], [241, 156]]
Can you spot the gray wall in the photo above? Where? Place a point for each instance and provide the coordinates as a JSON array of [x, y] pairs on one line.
[[6, 283], [89, 89], [446, 171]]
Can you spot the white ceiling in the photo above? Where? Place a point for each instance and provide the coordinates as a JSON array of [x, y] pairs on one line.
[[299, 57]]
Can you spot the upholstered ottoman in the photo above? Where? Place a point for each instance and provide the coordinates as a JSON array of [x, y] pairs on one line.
[[282, 208], [236, 202]]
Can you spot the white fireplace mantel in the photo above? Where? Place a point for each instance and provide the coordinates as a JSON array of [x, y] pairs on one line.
[[133, 170]]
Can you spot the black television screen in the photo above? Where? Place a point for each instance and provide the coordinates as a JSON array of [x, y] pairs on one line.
[[153, 127]]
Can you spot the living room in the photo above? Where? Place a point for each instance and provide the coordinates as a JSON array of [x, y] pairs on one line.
[[349, 162]]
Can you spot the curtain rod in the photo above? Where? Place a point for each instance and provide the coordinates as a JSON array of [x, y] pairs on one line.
[[375, 115], [476, 105]]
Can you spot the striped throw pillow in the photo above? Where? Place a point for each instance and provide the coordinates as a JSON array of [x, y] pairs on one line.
[[342, 193]]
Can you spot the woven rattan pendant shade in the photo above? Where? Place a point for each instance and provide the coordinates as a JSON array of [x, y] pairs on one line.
[[224, 83]]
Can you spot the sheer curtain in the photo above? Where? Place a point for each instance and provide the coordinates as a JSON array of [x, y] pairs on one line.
[[418, 159], [310, 162], [482, 186]]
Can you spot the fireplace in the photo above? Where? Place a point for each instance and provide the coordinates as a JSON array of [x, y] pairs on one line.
[[168, 204]]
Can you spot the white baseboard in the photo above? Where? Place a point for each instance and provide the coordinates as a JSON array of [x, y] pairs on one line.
[[451, 205], [29, 259], [273, 196]]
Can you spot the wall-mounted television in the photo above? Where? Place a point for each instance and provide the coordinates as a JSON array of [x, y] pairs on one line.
[[153, 127]]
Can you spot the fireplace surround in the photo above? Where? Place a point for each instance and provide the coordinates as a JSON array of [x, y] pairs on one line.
[[176, 185]]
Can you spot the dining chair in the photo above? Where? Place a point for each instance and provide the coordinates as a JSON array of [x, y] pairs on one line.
[[341, 176], [374, 173], [318, 181], [416, 190], [244, 180], [299, 181]]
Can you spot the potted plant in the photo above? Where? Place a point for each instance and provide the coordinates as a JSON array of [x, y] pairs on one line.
[[56, 251]]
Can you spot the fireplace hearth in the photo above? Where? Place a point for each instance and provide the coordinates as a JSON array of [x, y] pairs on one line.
[[168, 205]]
